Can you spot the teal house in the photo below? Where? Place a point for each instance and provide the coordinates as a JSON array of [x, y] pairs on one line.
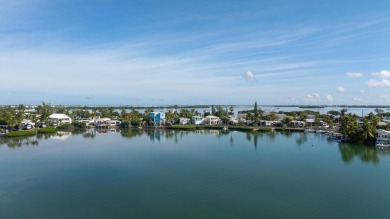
[[157, 117]]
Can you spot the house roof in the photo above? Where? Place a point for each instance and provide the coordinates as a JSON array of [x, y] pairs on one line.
[[310, 120], [212, 117], [382, 131], [58, 116]]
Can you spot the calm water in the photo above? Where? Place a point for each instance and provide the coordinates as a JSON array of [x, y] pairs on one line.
[[205, 174]]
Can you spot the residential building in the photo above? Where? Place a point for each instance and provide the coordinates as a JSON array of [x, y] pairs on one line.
[[184, 121], [212, 120], [197, 120], [157, 117], [60, 118], [383, 138]]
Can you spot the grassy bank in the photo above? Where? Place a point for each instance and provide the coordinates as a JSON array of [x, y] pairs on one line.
[[264, 129], [241, 128], [47, 130], [289, 129], [209, 126], [20, 133], [182, 127]]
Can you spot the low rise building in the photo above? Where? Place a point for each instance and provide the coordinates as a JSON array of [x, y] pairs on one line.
[[60, 118]]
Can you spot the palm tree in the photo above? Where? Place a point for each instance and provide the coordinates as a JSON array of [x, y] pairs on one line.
[[343, 112]]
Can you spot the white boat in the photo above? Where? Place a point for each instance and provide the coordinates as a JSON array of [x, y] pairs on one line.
[[309, 130], [382, 144]]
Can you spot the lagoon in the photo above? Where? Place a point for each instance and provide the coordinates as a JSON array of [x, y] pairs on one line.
[[191, 174]]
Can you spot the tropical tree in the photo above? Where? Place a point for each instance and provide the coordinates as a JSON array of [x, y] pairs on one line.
[[255, 111], [379, 112], [231, 110]]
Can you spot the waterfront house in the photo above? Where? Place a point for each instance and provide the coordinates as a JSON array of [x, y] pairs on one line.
[[233, 120], [84, 120], [115, 123], [295, 123], [103, 122], [157, 117], [27, 124], [382, 138], [197, 120], [60, 118], [212, 120], [184, 121], [266, 122], [310, 119]]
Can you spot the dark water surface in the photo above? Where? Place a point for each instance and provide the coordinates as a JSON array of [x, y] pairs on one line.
[[203, 174]]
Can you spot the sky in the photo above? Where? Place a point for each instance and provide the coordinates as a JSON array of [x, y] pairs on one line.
[[167, 52]]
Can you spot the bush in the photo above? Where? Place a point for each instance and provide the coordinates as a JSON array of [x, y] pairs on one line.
[[73, 125], [79, 125], [20, 133], [47, 130], [64, 126]]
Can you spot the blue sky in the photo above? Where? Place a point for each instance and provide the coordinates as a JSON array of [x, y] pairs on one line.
[[194, 52]]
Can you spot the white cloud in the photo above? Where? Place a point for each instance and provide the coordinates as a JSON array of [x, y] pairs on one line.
[[376, 83], [249, 77], [357, 99], [382, 74], [361, 91], [309, 96], [329, 98], [340, 89], [354, 74], [316, 95]]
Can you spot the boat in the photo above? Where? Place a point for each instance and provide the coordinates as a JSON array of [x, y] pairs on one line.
[[384, 144], [338, 137], [309, 130]]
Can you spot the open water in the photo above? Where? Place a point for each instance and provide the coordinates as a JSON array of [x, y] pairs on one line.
[[198, 174]]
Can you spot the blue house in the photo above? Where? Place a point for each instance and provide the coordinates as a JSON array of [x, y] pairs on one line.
[[157, 117]]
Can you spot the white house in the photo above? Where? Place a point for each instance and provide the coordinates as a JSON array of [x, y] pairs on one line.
[[295, 123], [184, 121], [60, 118], [383, 138], [267, 123], [27, 124], [197, 120], [211, 120], [233, 120], [85, 120], [310, 119], [115, 123], [103, 122]]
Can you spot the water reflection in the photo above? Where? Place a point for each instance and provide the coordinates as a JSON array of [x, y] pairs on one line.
[[348, 152], [365, 154], [19, 142]]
